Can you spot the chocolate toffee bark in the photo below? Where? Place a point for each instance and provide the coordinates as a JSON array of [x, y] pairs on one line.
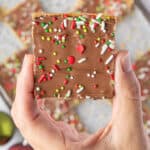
[[142, 70], [116, 8], [20, 19], [74, 55], [9, 72]]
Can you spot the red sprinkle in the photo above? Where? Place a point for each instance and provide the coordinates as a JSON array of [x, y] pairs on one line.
[[71, 59], [107, 67], [133, 66], [37, 22], [65, 81], [95, 86], [41, 58], [62, 26], [109, 49], [42, 78], [100, 60], [56, 67], [112, 76], [65, 15], [80, 48], [103, 41], [73, 24], [54, 18]]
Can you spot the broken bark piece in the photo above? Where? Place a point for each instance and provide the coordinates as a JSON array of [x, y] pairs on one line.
[[20, 20]]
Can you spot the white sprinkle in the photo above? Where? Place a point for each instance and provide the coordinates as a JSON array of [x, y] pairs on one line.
[[33, 22], [144, 69], [37, 89], [71, 77], [95, 21], [104, 48], [55, 29], [109, 71], [88, 75], [25, 143], [53, 71], [46, 26], [99, 15], [87, 97], [51, 75], [94, 72], [56, 37], [92, 76], [68, 94], [59, 30], [41, 18], [80, 90], [92, 28], [40, 51], [148, 123], [112, 44], [109, 59], [72, 117], [145, 91], [79, 24], [65, 23], [97, 45], [141, 76], [82, 60], [58, 111], [103, 26]]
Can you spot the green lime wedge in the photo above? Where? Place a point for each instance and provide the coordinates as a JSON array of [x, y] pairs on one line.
[[6, 128]]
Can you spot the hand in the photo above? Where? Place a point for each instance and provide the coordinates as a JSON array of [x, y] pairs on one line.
[[124, 132]]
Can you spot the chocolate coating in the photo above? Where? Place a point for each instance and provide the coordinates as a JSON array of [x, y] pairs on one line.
[[61, 37], [116, 8], [9, 71], [20, 19]]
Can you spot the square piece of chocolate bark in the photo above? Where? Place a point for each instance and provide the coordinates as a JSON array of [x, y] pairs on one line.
[[142, 70], [9, 71], [74, 55], [20, 20], [118, 8]]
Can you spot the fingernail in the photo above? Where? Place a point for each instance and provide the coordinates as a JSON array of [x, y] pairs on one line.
[[126, 63]]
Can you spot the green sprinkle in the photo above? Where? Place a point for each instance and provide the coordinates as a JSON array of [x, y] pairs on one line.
[[41, 67], [69, 69], [99, 20], [70, 18], [113, 34], [81, 36], [65, 61], [57, 42], [46, 30], [50, 22], [108, 42], [82, 18], [78, 19], [55, 94], [63, 46], [67, 76], [43, 24]]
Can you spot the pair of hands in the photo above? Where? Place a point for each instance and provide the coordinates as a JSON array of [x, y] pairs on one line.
[[124, 132]]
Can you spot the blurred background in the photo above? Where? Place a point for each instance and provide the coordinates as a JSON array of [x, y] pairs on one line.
[[133, 34]]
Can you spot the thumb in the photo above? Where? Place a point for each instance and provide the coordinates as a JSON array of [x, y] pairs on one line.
[[127, 104]]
